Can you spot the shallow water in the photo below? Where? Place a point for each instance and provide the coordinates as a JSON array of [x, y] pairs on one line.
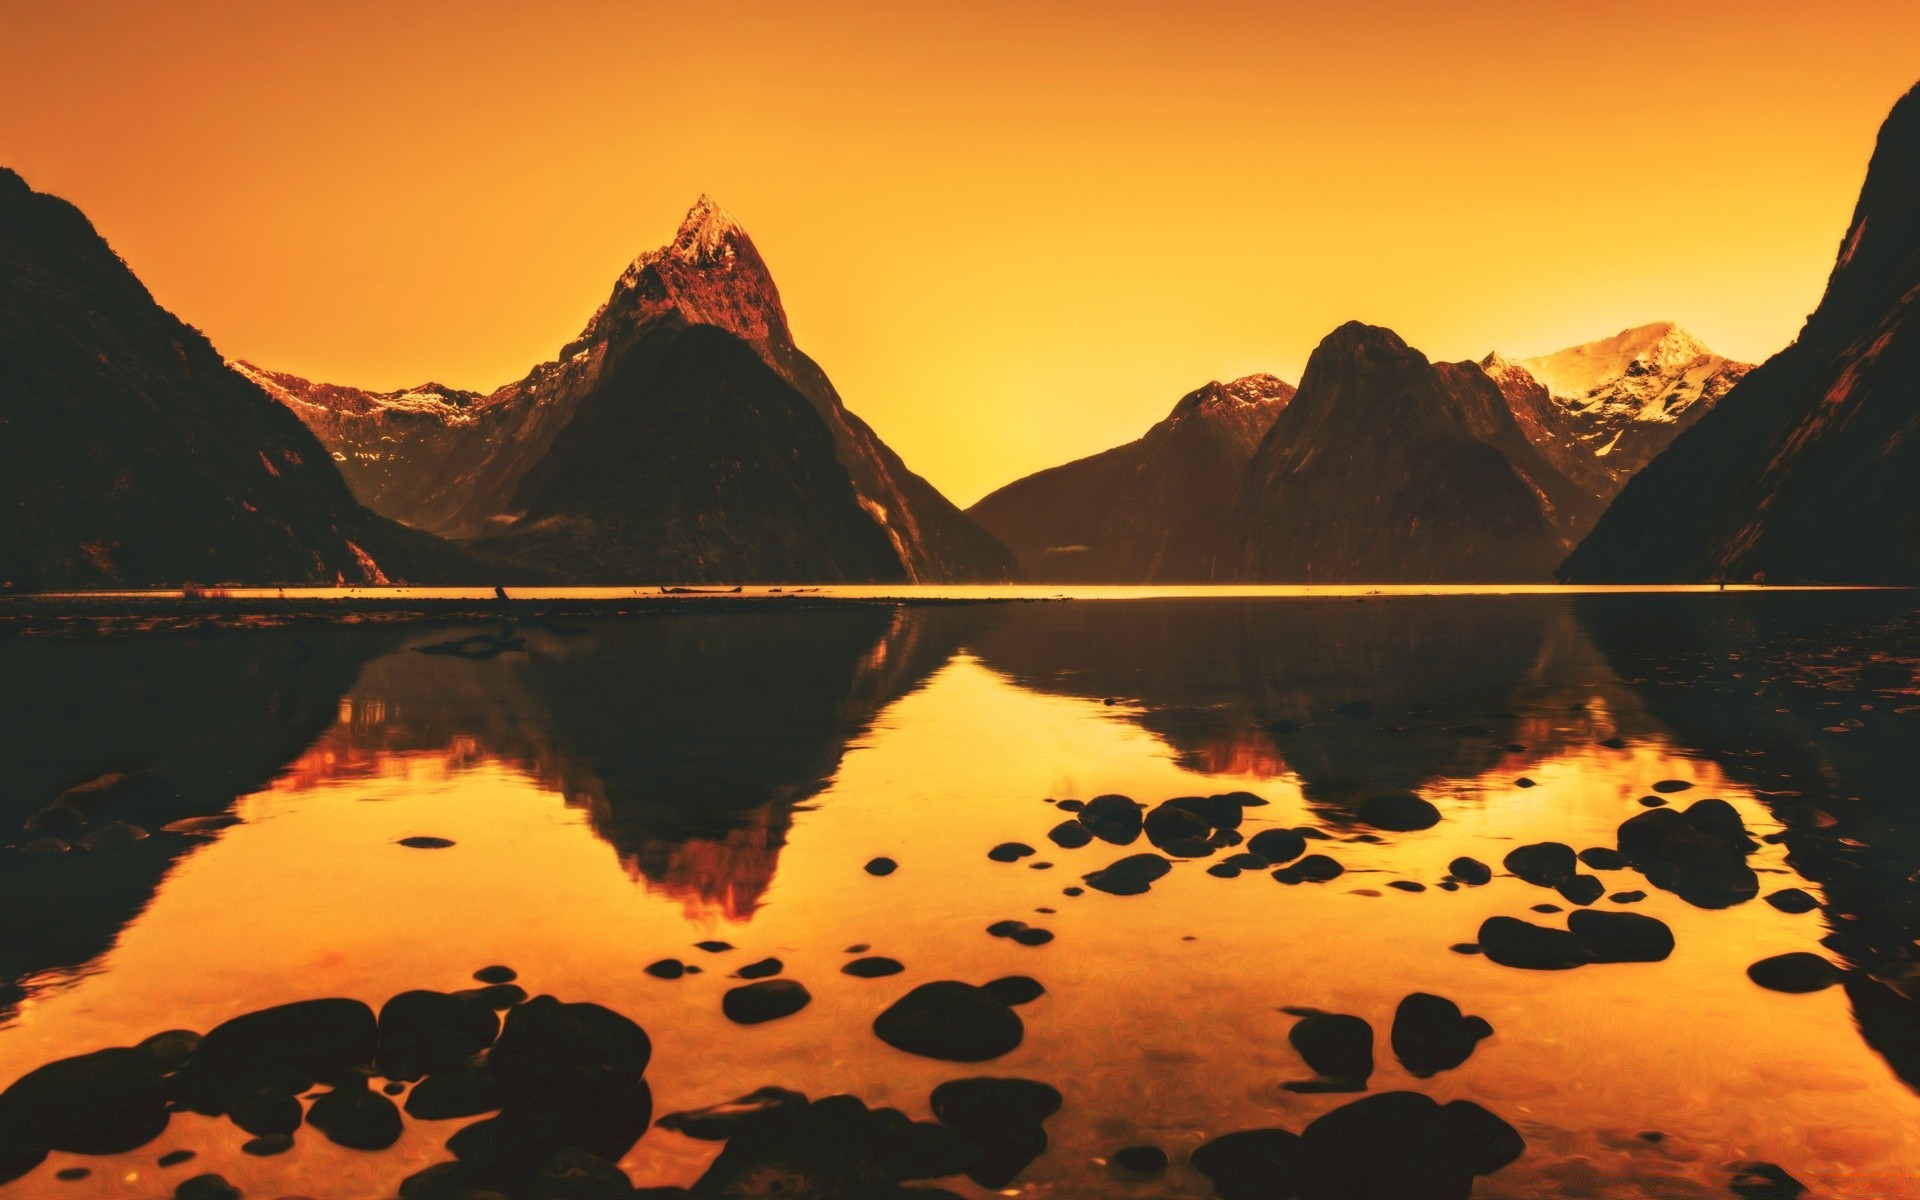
[[617, 796]]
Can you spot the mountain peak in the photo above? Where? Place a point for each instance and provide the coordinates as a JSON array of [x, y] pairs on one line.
[[708, 235], [1660, 348]]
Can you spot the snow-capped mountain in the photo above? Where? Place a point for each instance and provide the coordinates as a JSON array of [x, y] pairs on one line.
[[1156, 510], [457, 464], [1604, 409]]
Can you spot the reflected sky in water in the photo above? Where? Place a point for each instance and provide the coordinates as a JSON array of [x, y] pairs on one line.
[[615, 797]]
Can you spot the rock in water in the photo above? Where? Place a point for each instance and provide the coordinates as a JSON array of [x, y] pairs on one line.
[[1543, 864], [206, 1187], [1141, 1160], [1470, 871], [1764, 1181], [952, 1021], [1314, 868], [330, 1041], [1621, 937], [1130, 876], [1401, 1145], [873, 967], [1277, 845], [356, 1118], [567, 1053], [1070, 835], [1795, 972], [1515, 943], [1792, 900], [1338, 1047], [768, 1000], [1253, 1164], [1401, 812], [1005, 1117], [106, 1102], [1430, 1034], [1113, 819], [422, 1032], [23, 1143]]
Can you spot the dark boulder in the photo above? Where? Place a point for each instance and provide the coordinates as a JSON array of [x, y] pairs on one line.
[[356, 1117], [206, 1187], [422, 1032], [1277, 845], [1515, 943], [567, 1053], [666, 968], [1543, 864], [881, 866], [1070, 835], [1015, 990], [1397, 1144], [262, 1111], [872, 967], [768, 1000], [1470, 871], [1581, 889], [1140, 1160], [106, 1102], [572, 1174], [763, 969], [1338, 1047], [1430, 1034], [1174, 825], [1314, 868], [453, 1094], [951, 1021], [1795, 972], [330, 1041], [1253, 1164], [1764, 1181], [1792, 900], [1007, 852], [1130, 876], [23, 1143], [1621, 937], [1603, 858], [1113, 819], [1004, 1117], [1401, 812]]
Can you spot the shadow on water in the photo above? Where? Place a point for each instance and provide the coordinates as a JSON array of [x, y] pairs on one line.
[[188, 721], [1811, 701], [1353, 697], [688, 740]]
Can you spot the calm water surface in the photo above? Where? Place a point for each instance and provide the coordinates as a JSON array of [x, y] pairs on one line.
[[614, 797]]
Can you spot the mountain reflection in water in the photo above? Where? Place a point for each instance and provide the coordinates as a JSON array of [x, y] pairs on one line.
[[615, 797]]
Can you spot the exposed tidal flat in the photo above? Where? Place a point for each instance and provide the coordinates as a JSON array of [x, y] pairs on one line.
[[1349, 893]]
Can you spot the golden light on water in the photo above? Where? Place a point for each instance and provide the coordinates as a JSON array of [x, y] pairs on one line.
[[1160, 1023]]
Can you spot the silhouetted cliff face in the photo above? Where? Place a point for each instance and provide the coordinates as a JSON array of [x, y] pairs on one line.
[[1156, 510], [454, 463], [130, 454], [1603, 410], [1809, 470], [1385, 469], [691, 460]]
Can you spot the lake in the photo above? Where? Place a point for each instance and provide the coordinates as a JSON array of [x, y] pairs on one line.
[[610, 792]]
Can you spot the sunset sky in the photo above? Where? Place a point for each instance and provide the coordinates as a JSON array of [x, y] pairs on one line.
[[1013, 234]]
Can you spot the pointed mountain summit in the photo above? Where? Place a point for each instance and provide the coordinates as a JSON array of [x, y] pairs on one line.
[[1603, 410], [1156, 510], [1809, 470], [463, 469], [1386, 468], [131, 455]]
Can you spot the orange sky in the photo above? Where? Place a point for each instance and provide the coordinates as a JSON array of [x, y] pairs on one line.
[[1013, 234]]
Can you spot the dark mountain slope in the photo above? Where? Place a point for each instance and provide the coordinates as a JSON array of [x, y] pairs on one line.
[[1156, 510], [691, 461], [131, 455], [1378, 472], [1809, 469]]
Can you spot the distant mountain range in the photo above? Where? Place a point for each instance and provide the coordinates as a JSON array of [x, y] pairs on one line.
[[704, 465], [131, 455], [1156, 510], [683, 437], [1809, 470]]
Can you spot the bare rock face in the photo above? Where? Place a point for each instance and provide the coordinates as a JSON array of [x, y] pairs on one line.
[[1156, 510], [457, 463], [131, 455], [1809, 469], [1387, 469]]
